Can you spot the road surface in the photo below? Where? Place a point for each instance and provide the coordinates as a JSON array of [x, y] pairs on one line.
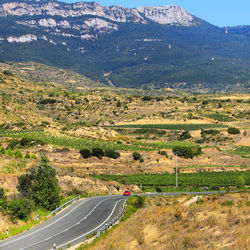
[[74, 223], [69, 227]]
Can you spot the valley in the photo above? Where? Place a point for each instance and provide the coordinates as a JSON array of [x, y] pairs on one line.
[[96, 100]]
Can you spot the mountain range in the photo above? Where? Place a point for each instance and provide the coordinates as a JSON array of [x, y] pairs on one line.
[[145, 47]]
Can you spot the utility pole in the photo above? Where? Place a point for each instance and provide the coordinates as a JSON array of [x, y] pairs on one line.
[[176, 170]]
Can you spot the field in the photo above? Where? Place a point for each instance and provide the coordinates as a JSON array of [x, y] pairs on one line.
[[210, 179], [77, 143], [173, 126]]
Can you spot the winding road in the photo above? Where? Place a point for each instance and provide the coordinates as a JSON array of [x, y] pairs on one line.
[[69, 227], [74, 223]]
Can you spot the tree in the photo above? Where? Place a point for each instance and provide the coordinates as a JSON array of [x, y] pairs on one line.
[[41, 185], [185, 135], [85, 153], [137, 156], [233, 131], [98, 152]]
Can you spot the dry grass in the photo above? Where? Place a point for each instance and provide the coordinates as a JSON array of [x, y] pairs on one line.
[[166, 224]]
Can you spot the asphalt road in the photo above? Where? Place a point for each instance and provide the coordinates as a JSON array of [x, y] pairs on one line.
[[69, 227], [74, 223]]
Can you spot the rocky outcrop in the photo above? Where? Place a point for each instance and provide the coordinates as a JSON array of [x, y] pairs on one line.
[[163, 15]]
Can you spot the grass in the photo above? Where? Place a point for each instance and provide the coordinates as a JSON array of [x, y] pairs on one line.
[[173, 126], [244, 151], [31, 222], [167, 224]]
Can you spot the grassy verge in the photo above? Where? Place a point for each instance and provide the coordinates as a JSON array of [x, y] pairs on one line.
[[31, 222], [134, 203]]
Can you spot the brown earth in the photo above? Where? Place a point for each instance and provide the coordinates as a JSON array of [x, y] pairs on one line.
[[166, 224]]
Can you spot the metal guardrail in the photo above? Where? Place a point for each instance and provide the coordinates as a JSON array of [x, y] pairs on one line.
[[113, 221], [64, 205]]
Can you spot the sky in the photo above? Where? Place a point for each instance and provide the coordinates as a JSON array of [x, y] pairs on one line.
[[218, 12]]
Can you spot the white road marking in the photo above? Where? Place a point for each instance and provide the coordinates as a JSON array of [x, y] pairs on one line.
[[92, 229], [71, 226], [46, 226]]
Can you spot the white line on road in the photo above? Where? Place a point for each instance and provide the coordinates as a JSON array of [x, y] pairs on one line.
[[71, 226], [46, 226], [92, 229]]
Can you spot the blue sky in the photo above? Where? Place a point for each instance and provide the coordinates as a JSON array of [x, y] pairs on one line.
[[217, 12]]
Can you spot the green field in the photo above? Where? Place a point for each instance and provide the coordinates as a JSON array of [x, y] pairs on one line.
[[173, 126], [220, 117], [78, 143], [244, 151], [210, 179]]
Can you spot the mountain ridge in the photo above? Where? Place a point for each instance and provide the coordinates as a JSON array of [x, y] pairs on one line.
[[143, 47]]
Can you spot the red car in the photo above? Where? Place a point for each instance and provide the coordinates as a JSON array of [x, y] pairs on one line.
[[127, 193]]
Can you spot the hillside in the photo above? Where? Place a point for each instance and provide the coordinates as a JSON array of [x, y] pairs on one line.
[[137, 135], [65, 120], [153, 47], [213, 222]]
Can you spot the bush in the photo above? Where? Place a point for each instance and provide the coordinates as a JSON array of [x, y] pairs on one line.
[[137, 156], [20, 209], [185, 135], [98, 152], [187, 152], [139, 201], [233, 131], [18, 153], [85, 153], [209, 132], [2, 150], [28, 142], [112, 154], [8, 73]]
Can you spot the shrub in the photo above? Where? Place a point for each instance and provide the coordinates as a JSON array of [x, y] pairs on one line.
[[185, 135], [158, 189], [209, 132], [137, 156], [164, 153], [20, 209], [18, 153], [8, 73], [227, 203], [85, 153], [2, 150], [187, 152], [112, 154], [233, 131], [98, 152], [29, 142], [139, 201]]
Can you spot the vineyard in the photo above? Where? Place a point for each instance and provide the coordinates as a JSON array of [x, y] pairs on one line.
[[78, 143], [210, 179], [244, 151], [219, 117], [173, 126]]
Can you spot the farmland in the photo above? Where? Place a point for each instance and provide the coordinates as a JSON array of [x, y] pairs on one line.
[[78, 143], [210, 179], [173, 126]]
